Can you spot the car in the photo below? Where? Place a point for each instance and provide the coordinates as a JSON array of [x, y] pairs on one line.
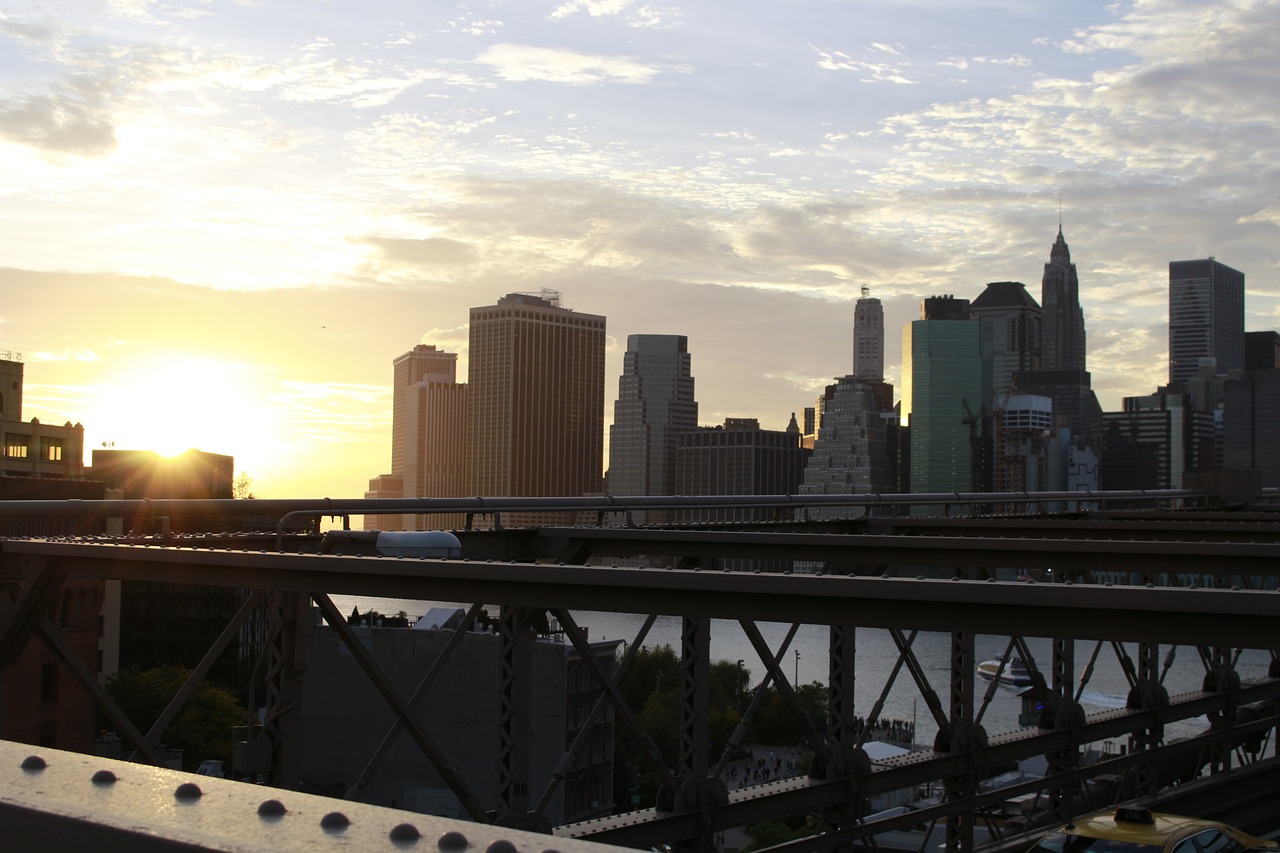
[[1139, 830]]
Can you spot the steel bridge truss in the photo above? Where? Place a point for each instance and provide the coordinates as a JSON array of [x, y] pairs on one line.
[[871, 583]]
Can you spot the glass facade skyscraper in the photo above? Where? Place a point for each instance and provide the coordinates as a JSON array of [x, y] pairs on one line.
[[655, 403], [946, 386]]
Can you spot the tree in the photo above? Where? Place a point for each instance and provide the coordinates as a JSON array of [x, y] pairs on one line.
[[242, 488], [202, 729]]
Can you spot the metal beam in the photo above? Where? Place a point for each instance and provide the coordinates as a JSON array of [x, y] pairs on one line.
[[1225, 617]]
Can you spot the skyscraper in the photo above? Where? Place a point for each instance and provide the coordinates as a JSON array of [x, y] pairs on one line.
[[1014, 323], [946, 389], [1206, 317], [868, 338], [655, 403], [536, 399], [428, 438], [851, 452], [1062, 339], [422, 365]]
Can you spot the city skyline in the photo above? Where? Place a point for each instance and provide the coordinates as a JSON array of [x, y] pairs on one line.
[[220, 239]]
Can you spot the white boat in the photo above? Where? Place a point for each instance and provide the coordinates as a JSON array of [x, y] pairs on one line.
[[1010, 671]]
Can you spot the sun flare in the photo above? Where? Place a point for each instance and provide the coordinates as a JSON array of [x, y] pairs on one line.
[[180, 403]]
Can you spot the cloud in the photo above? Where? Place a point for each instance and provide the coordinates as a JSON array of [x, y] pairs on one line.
[[594, 8], [67, 122], [872, 72], [524, 63], [26, 32], [429, 252]]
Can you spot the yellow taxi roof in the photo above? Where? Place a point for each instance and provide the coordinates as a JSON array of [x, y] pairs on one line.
[[1162, 829]]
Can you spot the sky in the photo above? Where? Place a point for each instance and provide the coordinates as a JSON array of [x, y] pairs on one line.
[[221, 221]]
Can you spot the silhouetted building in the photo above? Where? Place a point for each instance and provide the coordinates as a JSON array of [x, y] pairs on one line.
[[536, 400], [655, 404], [1261, 350], [851, 452], [1075, 406], [946, 393], [868, 338], [33, 449], [1013, 322], [1206, 317], [1063, 339], [1251, 425], [41, 703], [738, 458], [1153, 441]]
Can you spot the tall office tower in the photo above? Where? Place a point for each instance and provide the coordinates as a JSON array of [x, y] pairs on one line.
[[655, 403], [1251, 425], [1014, 321], [868, 338], [536, 407], [946, 389], [1206, 317], [421, 365], [428, 438], [1153, 441], [851, 452], [1062, 344]]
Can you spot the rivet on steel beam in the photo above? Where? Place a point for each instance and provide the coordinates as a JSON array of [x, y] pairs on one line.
[[405, 832], [104, 777], [271, 808], [452, 841], [33, 762], [188, 791], [336, 821], [502, 845]]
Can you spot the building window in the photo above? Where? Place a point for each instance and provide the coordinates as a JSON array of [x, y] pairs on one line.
[[17, 446], [51, 450], [48, 683]]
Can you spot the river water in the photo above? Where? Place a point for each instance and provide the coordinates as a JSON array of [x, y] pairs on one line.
[[805, 661]]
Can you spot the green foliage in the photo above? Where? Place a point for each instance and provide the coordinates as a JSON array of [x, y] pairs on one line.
[[775, 722], [202, 729], [652, 687], [768, 833]]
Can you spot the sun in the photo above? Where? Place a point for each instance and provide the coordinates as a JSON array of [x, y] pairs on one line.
[[179, 403]]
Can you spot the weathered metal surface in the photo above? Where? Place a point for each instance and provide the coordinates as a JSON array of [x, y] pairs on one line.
[[84, 803]]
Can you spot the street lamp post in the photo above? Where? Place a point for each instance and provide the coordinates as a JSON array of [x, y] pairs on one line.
[[796, 683]]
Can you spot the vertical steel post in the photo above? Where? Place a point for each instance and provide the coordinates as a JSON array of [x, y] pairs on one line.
[[695, 698], [513, 716], [965, 735], [286, 666]]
